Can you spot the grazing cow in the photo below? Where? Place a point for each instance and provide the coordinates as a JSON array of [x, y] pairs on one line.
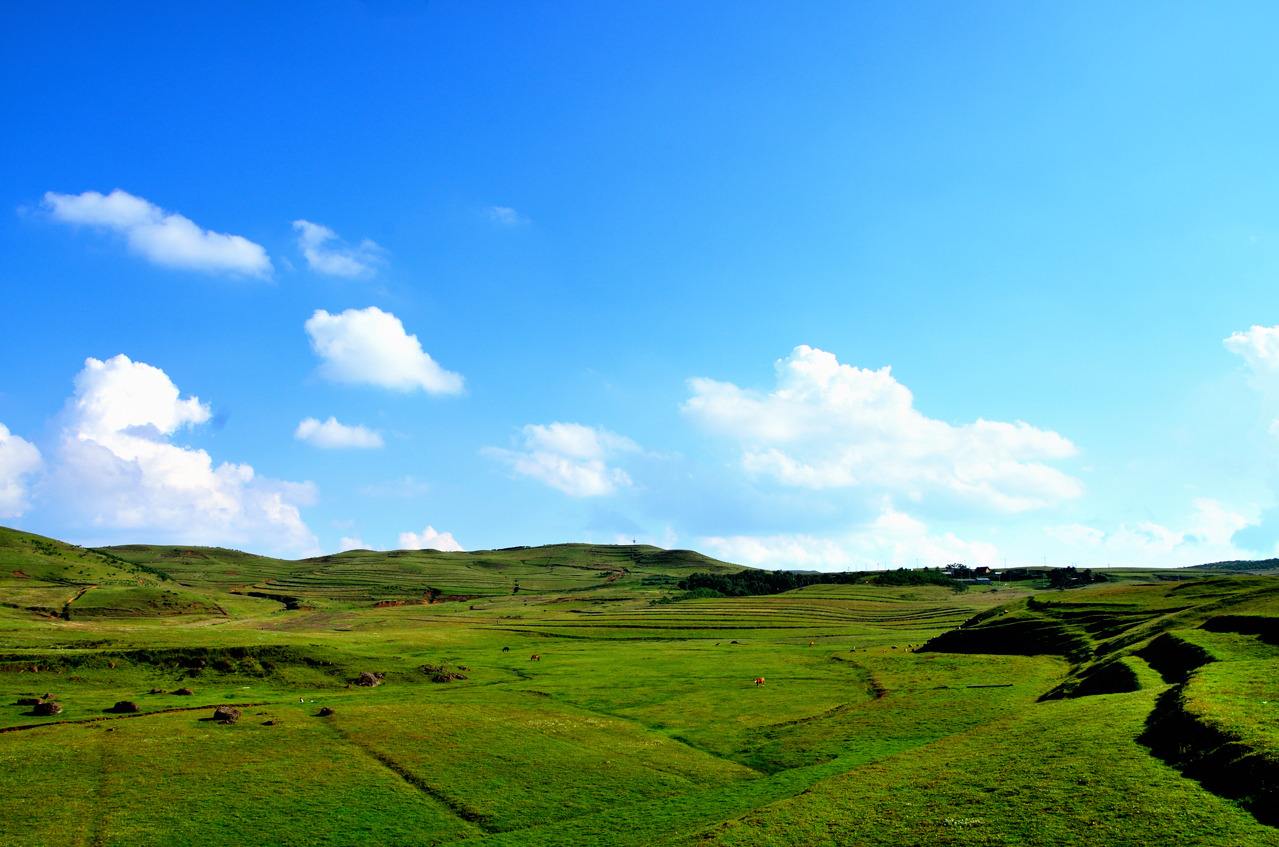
[[759, 680], [506, 649], [536, 657]]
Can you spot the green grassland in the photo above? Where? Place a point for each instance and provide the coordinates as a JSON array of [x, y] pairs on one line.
[[1142, 710]]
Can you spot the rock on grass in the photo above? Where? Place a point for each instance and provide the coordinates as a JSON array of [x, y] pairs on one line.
[[226, 714]]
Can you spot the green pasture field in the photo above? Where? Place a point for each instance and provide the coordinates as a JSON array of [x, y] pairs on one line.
[[1004, 714]]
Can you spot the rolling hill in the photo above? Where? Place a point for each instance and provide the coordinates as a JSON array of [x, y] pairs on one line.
[[601, 705], [35, 572]]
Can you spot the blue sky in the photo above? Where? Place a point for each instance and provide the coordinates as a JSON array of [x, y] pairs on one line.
[[596, 272]]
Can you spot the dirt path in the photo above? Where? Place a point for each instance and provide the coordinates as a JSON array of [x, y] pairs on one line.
[[66, 607], [454, 805]]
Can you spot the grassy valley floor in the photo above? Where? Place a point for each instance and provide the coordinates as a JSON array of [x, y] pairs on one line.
[[888, 715]]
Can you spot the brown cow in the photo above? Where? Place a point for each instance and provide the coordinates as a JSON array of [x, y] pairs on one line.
[[759, 680], [536, 657]]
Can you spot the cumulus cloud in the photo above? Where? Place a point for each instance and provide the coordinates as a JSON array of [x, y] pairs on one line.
[[569, 457], [1206, 534], [892, 539], [831, 425], [370, 347], [118, 468], [429, 539], [1259, 347], [334, 435], [347, 542], [165, 238], [506, 216], [19, 459], [325, 253]]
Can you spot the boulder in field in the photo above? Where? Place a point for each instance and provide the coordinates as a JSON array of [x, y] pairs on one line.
[[29, 701], [47, 708], [368, 679], [125, 706], [184, 692], [325, 712], [156, 691], [226, 714]]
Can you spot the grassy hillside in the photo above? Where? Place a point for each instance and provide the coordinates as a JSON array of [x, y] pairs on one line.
[[365, 576], [1134, 712], [1249, 566], [58, 579]]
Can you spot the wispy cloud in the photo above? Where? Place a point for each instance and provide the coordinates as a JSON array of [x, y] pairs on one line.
[[334, 435], [506, 216], [405, 487], [569, 457], [325, 253], [165, 238], [891, 539]]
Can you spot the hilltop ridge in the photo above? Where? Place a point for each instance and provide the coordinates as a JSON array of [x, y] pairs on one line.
[[183, 577]]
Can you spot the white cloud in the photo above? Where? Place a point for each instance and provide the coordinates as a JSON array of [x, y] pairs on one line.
[[333, 435], [506, 216], [119, 470], [830, 425], [327, 254], [165, 238], [1259, 347], [788, 552], [19, 459], [429, 539], [347, 542], [570, 457], [892, 539], [1206, 534], [370, 347]]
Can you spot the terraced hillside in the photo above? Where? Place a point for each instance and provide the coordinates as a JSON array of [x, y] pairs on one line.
[[601, 705], [1209, 647]]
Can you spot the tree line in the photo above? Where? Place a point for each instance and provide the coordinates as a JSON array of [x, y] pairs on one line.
[[755, 582]]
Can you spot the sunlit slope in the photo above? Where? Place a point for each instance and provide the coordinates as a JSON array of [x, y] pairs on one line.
[[24, 555], [362, 576], [601, 705], [1204, 652], [851, 614], [52, 578]]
